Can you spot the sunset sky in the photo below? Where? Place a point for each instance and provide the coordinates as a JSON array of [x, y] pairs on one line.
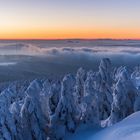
[[58, 19]]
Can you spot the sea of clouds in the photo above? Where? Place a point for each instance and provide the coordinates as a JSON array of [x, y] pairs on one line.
[[66, 56]]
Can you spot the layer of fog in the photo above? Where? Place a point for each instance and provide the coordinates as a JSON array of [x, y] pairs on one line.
[[43, 58]]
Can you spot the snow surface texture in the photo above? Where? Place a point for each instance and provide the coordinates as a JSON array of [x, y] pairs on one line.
[[128, 129], [49, 110]]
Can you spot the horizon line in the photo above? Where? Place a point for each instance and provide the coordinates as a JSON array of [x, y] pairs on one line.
[[69, 38]]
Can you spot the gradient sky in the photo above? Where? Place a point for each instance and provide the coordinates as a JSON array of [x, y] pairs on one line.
[[45, 19]]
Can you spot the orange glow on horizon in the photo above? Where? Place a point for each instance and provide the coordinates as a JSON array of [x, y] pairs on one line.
[[69, 19], [72, 34]]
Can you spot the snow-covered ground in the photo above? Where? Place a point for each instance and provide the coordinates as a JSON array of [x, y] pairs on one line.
[[127, 129]]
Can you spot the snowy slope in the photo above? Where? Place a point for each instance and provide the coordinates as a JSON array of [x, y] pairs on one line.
[[128, 129]]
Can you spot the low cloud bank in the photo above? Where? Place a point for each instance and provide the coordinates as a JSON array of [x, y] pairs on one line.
[[78, 55]]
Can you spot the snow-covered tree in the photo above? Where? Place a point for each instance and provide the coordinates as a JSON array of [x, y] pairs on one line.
[[79, 87], [54, 98], [124, 96], [90, 101], [48, 109], [33, 121], [8, 129], [66, 115], [103, 84]]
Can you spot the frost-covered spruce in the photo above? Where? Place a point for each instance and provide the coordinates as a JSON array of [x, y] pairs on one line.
[[8, 128], [136, 72], [103, 84], [33, 120], [124, 96], [90, 101], [44, 97], [79, 88], [55, 92], [66, 115], [135, 76], [105, 71], [27, 108]]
